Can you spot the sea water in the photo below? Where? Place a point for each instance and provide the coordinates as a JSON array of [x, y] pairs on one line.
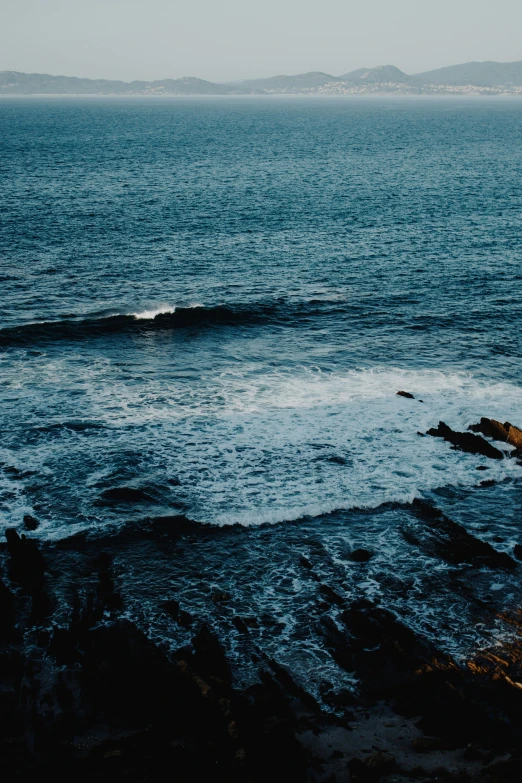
[[215, 301]]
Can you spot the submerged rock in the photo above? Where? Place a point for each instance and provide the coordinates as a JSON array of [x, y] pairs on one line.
[[455, 545], [405, 394], [465, 441], [125, 495], [360, 555]]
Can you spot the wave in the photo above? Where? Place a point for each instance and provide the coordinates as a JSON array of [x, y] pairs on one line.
[[164, 319], [161, 319]]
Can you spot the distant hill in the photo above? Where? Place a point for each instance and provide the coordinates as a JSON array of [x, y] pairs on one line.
[[483, 76], [380, 75], [15, 83], [302, 81], [486, 74]]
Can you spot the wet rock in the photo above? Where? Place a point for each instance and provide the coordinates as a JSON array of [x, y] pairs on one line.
[[507, 433], [465, 441], [331, 596], [108, 597], [360, 555], [30, 523], [173, 608], [27, 564], [456, 545], [514, 435], [209, 658], [125, 495], [380, 763], [505, 771], [427, 744], [517, 551], [377, 647], [359, 772], [405, 394], [482, 467], [7, 609]]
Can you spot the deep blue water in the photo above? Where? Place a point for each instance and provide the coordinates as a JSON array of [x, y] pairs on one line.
[[215, 301]]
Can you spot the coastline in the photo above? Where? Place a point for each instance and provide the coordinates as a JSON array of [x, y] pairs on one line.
[[89, 693]]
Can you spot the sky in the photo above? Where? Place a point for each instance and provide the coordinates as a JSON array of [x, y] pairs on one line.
[[225, 40]]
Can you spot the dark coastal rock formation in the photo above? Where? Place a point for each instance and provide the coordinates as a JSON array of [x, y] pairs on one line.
[[507, 433], [456, 706], [456, 545], [30, 522], [405, 394], [86, 695], [7, 609], [27, 564], [465, 441], [93, 699]]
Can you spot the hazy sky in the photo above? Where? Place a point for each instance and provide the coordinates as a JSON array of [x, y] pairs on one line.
[[237, 39]]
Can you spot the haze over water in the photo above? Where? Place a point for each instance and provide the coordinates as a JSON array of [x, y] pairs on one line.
[[215, 302]]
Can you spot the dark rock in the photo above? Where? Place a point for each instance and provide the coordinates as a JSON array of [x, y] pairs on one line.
[[465, 441], [336, 460], [209, 659], [331, 596], [380, 763], [7, 609], [125, 495], [517, 551], [473, 753], [482, 467], [27, 563], [41, 604], [505, 771], [507, 433], [514, 435], [359, 772], [405, 394], [173, 608], [30, 523], [360, 555], [491, 429], [427, 744], [456, 545]]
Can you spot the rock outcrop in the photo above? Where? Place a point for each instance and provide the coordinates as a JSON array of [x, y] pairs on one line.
[[466, 441], [507, 433]]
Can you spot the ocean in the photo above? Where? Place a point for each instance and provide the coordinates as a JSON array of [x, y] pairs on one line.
[[207, 308]]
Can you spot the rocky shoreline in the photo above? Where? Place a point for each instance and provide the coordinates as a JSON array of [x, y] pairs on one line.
[[88, 694]]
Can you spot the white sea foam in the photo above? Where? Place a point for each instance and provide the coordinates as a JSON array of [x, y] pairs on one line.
[[252, 447], [149, 315]]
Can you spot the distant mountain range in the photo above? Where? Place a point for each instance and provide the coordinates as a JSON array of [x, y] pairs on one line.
[[475, 77]]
